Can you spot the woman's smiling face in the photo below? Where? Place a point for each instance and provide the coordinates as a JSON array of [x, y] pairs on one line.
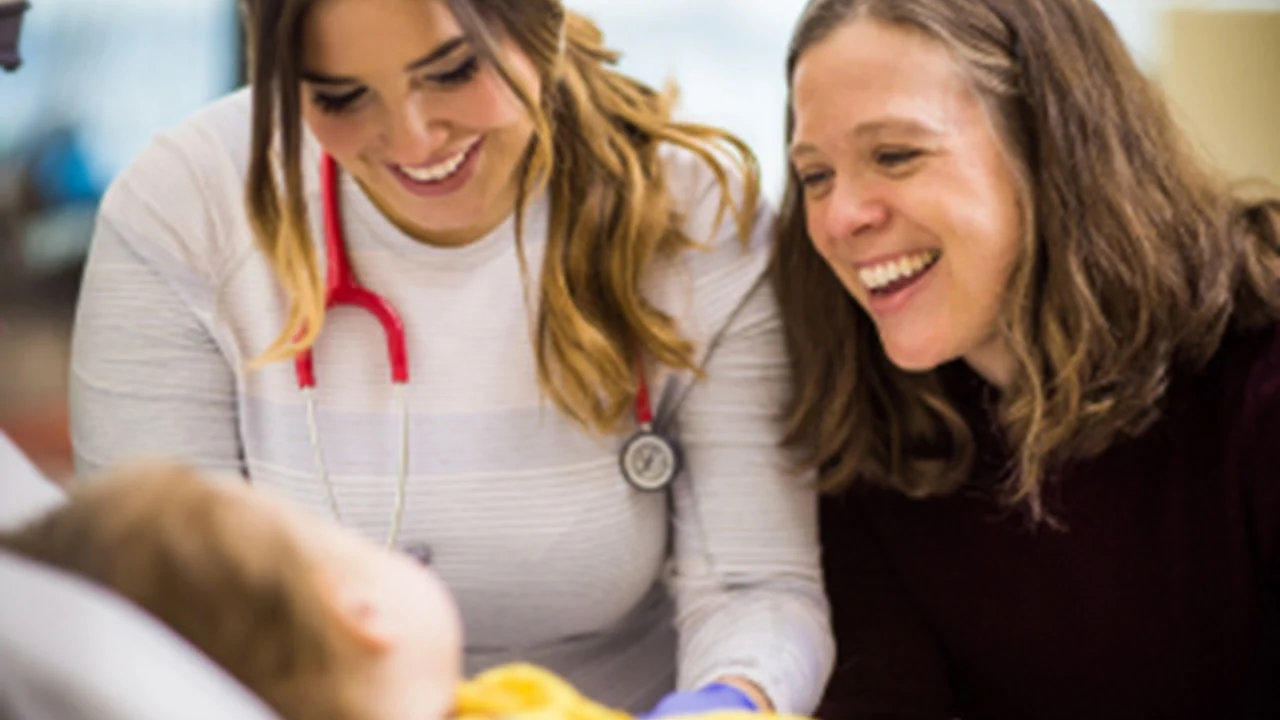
[[398, 95]]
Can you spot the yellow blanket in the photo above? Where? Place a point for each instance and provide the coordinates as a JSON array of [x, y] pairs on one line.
[[525, 692]]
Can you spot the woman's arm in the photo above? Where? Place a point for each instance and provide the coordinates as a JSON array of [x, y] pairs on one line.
[[147, 376], [747, 579]]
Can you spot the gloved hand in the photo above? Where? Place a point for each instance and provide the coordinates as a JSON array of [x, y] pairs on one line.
[[713, 697]]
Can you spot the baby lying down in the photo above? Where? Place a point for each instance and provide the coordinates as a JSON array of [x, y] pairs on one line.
[[318, 622]]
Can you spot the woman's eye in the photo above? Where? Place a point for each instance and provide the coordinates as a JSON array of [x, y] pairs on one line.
[[814, 178], [895, 157], [336, 103], [460, 74]]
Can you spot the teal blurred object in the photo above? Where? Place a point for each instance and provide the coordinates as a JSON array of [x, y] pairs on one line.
[[11, 12], [59, 169], [116, 72]]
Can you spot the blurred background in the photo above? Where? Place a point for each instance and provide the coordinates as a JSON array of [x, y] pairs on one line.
[[102, 76]]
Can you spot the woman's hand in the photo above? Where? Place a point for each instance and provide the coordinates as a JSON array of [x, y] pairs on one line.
[[732, 693]]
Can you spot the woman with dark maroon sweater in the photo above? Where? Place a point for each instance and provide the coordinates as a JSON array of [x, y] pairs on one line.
[[1037, 364]]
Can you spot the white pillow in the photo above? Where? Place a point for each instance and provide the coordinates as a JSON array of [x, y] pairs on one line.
[[70, 650], [24, 492]]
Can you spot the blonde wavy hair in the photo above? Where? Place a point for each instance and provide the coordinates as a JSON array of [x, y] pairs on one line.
[[595, 147], [1137, 260]]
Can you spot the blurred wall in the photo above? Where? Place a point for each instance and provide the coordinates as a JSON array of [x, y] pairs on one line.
[[1221, 70], [728, 56]]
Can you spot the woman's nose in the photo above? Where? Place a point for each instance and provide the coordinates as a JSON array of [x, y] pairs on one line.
[[853, 210], [413, 136]]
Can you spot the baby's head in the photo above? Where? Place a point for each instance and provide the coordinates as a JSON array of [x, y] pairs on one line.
[[317, 621]]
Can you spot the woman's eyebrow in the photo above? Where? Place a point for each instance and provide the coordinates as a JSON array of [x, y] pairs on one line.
[[441, 51]]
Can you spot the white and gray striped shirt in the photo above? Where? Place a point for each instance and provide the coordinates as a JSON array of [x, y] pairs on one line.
[[553, 558]]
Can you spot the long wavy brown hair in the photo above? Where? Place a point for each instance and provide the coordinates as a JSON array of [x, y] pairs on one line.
[[243, 593], [596, 148], [1136, 259]]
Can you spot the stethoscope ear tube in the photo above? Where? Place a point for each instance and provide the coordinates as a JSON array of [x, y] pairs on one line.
[[343, 288], [402, 475]]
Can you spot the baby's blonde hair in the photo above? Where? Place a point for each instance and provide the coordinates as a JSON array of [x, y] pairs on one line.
[[245, 595], [241, 592]]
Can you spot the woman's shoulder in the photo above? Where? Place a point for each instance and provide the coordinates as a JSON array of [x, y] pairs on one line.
[[1259, 358], [1233, 406], [1251, 358], [705, 286], [1232, 402], [182, 198], [1250, 365], [719, 207], [223, 127], [209, 147], [700, 180], [689, 174]]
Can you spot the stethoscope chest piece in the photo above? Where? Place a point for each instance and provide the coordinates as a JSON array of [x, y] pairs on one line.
[[649, 461]]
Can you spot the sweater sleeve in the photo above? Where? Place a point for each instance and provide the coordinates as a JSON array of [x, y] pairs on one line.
[[148, 378], [746, 578], [748, 584]]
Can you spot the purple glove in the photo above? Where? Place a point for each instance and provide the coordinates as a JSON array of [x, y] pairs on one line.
[[713, 697]]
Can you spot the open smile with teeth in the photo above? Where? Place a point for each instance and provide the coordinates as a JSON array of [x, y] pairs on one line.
[[441, 170], [892, 275]]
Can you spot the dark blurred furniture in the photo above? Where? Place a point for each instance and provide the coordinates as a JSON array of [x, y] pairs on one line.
[[11, 12]]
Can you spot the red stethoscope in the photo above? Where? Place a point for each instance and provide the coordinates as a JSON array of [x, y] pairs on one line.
[[649, 461]]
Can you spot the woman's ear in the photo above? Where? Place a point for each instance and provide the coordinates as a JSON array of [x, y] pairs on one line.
[[351, 605]]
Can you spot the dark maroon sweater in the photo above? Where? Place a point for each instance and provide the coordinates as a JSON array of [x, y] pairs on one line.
[[1158, 600]]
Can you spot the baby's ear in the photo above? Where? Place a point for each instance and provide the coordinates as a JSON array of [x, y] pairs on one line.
[[352, 606]]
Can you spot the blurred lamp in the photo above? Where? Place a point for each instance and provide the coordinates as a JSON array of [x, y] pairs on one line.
[[10, 27]]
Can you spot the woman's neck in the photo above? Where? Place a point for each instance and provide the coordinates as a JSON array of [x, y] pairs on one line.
[[994, 361], [456, 237]]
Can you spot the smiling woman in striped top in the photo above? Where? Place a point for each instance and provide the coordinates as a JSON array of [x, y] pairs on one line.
[[555, 245]]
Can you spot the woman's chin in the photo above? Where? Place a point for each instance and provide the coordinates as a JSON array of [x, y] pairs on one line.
[[913, 355]]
